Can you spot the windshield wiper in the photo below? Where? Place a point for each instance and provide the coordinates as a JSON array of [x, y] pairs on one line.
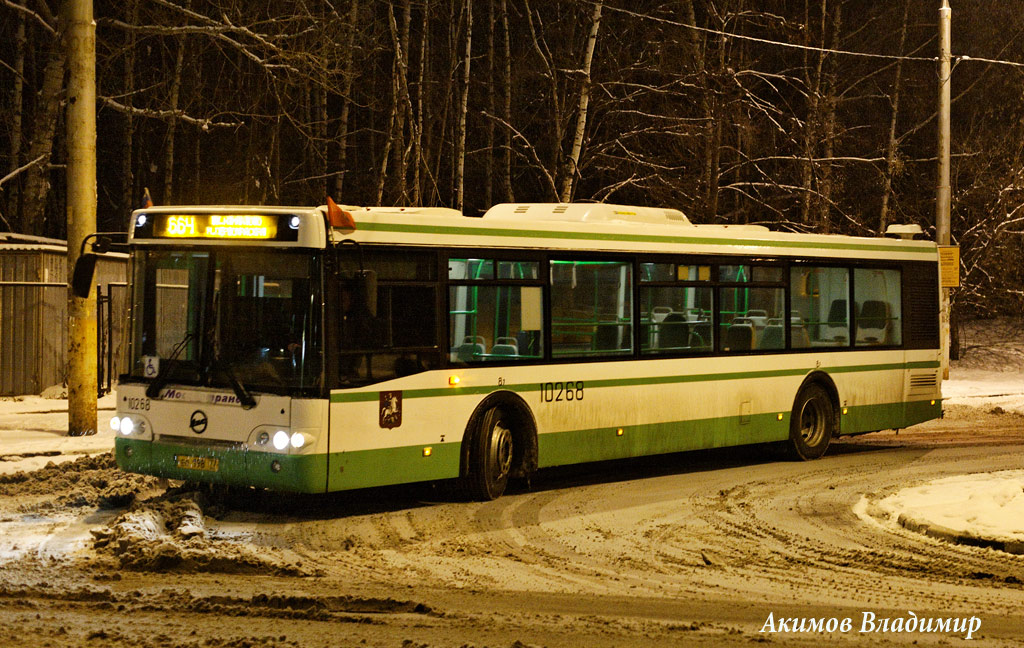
[[244, 397], [162, 376]]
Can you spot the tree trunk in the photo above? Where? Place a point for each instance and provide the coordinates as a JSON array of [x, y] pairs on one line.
[[418, 157], [388, 143], [346, 101], [275, 160], [556, 102], [172, 123], [44, 126], [892, 143], [17, 108], [831, 102], [128, 196], [713, 138], [506, 112], [572, 164], [320, 135], [811, 131], [403, 112], [460, 148], [491, 107]]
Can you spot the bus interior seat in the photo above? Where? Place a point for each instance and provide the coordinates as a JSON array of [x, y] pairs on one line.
[[471, 349], [800, 338], [658, 313], [700, 336], [739, 337], [508, 341], [773, 337], [502, 351], [837, 327], [673, 332], [873, 322]]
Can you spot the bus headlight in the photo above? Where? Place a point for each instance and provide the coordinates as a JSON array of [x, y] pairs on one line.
[[298, 440], [280, 440], [134, 426], [127, 426]]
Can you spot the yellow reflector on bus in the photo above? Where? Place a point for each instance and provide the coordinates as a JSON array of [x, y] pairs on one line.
[[780, 416], [619, 432], [846, 410], [453, 380], [427, 451]]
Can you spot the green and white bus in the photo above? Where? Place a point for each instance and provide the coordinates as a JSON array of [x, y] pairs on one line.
[[328, 348]]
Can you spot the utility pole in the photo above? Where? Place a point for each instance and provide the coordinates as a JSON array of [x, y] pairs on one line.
[[942, 195], [80, 37]]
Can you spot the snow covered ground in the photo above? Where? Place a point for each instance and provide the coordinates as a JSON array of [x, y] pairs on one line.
[[985, 389], [33, 432]]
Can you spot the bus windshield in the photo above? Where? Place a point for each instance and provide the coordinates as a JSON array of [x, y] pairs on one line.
[[223, 317]]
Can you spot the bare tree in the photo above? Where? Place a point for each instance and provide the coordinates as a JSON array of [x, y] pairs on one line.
[[572, 162], [460, 146]]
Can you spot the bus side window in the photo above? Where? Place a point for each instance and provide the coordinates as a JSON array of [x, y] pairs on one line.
[[877, 293], [820, 300], [492, 315], [591, 308]]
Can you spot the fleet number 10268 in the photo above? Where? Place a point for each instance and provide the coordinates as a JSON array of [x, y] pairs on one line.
[[561, 391]]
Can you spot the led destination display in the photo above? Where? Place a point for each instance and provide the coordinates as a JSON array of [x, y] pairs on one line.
[[220, 226]]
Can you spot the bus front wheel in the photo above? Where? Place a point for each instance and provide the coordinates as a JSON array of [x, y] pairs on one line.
[[812, 423], [490, 456]]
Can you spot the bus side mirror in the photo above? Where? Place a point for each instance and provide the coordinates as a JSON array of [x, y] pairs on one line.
[[81, 279]]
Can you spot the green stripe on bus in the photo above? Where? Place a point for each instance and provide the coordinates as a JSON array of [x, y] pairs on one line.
[[889, 416], [386, 467], [603, 444], [408, 464], [364, 396], [448, 230]]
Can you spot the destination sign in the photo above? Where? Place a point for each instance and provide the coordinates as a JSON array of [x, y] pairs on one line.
[[216, 226]]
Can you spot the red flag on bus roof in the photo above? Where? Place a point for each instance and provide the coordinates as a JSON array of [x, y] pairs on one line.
[[338, 217], [147, 201]]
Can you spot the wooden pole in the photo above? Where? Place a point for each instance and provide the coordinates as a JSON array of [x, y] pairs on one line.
[[942, 192], [81, 211]]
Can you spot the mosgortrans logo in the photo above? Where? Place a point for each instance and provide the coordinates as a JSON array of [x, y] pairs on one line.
[[872, 623]]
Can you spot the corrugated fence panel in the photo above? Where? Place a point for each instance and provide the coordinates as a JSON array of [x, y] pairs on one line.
[[33, 318], [54, 337], [121, 333]]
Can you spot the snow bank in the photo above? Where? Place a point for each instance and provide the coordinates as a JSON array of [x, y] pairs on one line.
[[983, 508]]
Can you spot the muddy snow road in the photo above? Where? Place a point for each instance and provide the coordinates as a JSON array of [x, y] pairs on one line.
[[692, 549]]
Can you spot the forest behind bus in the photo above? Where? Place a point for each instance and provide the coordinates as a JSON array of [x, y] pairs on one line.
[[812, 115]]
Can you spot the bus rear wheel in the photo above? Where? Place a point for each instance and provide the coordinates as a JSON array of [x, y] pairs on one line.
[[812, 423], [490, 456]]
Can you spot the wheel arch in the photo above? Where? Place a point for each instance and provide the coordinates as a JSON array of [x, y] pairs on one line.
[[524, 432], [824, 381]]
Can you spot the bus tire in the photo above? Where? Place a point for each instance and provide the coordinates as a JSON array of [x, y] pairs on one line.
[[812, 423], [490, 456]]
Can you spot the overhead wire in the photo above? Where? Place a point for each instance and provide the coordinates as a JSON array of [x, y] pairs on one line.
[[810, 48]]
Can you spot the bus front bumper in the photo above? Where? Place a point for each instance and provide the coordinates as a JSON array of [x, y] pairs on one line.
[[231, 467]]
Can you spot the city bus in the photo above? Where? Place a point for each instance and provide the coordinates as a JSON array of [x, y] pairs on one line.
[[315, 349]]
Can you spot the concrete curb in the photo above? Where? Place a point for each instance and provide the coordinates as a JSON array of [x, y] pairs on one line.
[[949, 535]]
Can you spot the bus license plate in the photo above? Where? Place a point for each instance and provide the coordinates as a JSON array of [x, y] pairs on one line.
[[187, 462]]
